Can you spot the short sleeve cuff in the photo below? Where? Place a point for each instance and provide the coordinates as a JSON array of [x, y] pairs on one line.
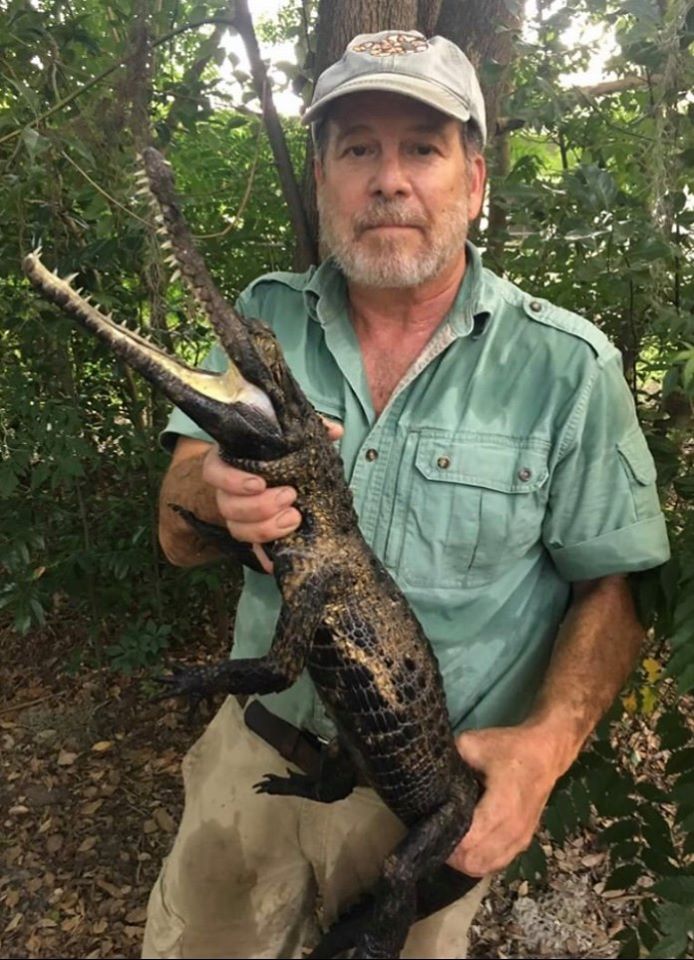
[[638, 547]]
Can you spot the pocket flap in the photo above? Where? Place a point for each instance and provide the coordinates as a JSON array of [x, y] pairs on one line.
[[506, 464], [634, 450]]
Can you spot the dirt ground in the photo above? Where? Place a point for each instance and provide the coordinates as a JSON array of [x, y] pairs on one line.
[[90, 796]]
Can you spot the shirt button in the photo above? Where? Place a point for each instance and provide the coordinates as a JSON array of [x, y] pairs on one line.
[[535, 306], [524, 474], [371, 454], [443, 463]]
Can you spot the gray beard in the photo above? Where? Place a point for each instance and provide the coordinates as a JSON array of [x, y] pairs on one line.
[[390, 266]]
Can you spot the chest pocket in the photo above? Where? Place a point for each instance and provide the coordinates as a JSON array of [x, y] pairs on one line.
[[475, 503]]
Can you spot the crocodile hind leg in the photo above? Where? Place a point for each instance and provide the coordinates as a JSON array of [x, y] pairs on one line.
[[299, 619], [335, 780]]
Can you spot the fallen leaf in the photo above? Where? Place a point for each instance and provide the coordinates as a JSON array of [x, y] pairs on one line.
[[139, 915], [14, 922], [592, 859], [19, 810], [164, 820], [101, 746], [66, 759], [149, 826], [54, 842], [89, 809], [87, 844]]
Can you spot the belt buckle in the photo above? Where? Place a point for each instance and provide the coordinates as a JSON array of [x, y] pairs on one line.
[[315, 739]]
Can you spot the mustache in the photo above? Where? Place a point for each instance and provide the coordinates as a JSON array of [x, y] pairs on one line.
[[389, 215]]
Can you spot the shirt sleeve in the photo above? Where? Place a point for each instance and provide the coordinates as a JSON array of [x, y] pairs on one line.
[[604, 514], [179, 424]]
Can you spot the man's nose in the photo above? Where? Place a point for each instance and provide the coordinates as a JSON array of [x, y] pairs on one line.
[[390, 178]]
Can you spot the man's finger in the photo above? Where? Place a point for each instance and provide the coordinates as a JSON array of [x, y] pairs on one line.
[[225, 477], [335, 430], [262, 558], [257, 508]]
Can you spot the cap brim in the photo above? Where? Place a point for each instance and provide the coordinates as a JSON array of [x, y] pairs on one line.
[[426, 91]]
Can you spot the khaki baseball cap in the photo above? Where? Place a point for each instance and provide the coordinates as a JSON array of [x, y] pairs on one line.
[[434, 71]]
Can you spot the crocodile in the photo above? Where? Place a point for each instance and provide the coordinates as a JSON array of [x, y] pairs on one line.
[[343, 617]]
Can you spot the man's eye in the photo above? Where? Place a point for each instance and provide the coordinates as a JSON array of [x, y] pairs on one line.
[[358, 150], [423, 149]]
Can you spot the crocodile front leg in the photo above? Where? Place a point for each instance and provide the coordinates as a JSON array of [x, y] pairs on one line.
[[220, 538], [299, 619]]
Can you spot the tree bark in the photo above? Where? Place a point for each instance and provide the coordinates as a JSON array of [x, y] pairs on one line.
[[485, 31]]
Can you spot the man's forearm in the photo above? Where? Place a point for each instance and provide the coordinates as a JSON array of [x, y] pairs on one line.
[[595, 651], [184, 485]]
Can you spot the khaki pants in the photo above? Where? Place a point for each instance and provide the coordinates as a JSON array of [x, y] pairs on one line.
[[247, 871]]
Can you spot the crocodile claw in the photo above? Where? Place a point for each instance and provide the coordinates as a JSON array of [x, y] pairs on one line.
[[292, 785], [189, 682]]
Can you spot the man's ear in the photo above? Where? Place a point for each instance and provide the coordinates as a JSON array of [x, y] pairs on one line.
[[477, 178]]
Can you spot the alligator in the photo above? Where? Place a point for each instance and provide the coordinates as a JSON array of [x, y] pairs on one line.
[[343, 617]]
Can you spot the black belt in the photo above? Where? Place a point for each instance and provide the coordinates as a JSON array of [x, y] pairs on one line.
[[296, 746]]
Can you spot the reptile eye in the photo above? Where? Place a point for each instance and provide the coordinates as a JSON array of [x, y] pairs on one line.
[[409, 663]]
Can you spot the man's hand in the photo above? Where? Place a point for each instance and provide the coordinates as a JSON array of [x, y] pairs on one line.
[[254, 513], [518, 771]]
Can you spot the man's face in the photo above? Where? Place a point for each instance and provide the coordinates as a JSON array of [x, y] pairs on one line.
[[395, 191]]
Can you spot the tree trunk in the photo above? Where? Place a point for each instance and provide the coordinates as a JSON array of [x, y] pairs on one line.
[[485, 31]]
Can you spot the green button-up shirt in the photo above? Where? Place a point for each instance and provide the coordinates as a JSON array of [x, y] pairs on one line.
[[507, 463]]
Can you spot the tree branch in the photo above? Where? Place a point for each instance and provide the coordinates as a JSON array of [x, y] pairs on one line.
[[71, 97], [608, 87], [306, 245]]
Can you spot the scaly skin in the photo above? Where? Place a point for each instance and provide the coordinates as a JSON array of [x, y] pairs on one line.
[[343, 617]]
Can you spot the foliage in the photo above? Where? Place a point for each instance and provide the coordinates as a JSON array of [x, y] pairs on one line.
[[81, 462], [598, 218]]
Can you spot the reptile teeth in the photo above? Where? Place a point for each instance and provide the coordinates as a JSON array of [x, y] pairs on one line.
[[69, 278], [176, 275]]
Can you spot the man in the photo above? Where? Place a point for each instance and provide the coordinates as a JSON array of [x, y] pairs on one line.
[[498, 471]]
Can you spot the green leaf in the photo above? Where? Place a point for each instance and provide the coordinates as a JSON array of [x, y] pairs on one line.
[[34, 142], [624, 877], [684, 486], [622, 830], [676, 889], [680, 761], [630, 944]]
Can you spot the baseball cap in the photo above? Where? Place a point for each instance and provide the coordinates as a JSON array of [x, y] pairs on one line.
[[435, 71]]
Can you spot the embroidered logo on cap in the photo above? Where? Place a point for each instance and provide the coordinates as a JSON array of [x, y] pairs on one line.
[[394, 45]]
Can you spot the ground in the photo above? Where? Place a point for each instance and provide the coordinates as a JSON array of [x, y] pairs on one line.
[[90, 796]]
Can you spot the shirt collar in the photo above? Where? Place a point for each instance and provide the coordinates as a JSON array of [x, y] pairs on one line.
[[325, 296]]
